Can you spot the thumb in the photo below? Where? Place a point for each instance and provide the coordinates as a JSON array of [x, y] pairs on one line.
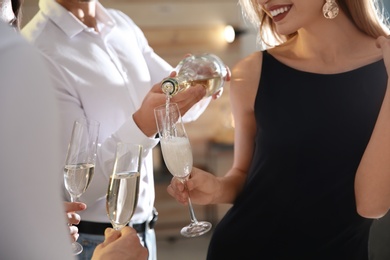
[[110, 235]]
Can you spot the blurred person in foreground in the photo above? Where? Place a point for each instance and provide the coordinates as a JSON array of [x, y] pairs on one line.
[[311, 109], [11, 13]]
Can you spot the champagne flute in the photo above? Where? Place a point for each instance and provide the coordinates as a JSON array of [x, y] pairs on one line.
[[123, 188], [80, 161], [177, 154]]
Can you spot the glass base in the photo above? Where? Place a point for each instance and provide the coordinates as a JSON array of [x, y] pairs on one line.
[[196, 229], [77, 248]]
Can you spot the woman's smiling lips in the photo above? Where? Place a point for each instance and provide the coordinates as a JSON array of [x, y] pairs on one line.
[[279, 12]]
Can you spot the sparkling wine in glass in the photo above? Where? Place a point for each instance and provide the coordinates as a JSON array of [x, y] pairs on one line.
[[123, 188], [177, 154], [80, 161]]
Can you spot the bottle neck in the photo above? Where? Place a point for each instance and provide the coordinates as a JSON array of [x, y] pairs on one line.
[[170, 86]]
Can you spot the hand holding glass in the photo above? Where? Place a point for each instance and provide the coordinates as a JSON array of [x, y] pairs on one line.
[[123, 188], [80, 161], [177, 153]]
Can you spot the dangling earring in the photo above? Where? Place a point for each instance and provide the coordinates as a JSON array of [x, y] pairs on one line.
[[330, 9]]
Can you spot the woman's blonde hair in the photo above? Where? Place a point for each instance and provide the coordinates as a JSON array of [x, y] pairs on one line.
[[367, 15]]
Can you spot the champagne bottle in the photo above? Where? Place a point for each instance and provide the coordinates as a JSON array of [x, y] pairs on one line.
[[205, 69]]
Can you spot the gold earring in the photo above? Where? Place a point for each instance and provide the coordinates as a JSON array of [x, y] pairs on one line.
[[330, 9]]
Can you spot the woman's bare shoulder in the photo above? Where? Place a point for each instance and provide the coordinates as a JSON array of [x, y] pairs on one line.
[[248, 69], [245, 81]]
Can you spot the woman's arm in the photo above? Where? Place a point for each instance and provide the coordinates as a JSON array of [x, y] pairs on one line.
[[372, 183]]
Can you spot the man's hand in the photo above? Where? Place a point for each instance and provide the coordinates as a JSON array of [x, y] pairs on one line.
[[73, 218]]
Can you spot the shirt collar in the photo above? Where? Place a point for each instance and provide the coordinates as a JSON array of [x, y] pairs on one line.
[[68, 22]]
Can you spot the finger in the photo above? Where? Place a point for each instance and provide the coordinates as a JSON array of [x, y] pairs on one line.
[[178, 197], [73, 218], [128, 231], [228, 74], [173, 74], [178, 193], [218, 94], [74, 206], [110, 235], [130, 239], [170, 190], [177, 185], [74, 233], [107, 231]]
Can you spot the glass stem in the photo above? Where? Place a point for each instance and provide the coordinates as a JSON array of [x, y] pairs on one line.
[[190, 208], [73, 198]]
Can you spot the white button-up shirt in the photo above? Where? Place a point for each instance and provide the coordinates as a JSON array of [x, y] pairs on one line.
[[108, 73]]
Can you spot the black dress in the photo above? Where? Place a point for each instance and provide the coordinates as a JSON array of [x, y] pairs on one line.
[[298, 201]]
